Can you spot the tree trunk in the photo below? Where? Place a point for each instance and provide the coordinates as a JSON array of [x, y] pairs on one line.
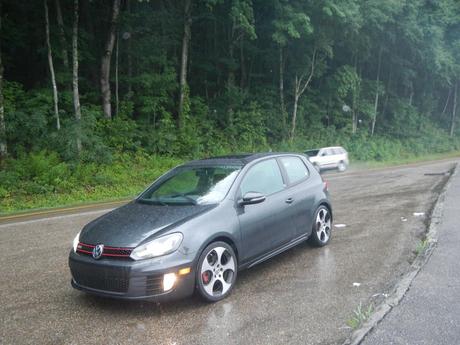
[[387, 94], [281, 89], [454, 111], [105, 61], [130, 56], [300, 87], [183, 68], [243, 76], [447, 102], [376, 102], [355, 99], [51, 66], [231, 49], [117, 100], [3, 146], [76, 94], [294, 114], [62, 40]]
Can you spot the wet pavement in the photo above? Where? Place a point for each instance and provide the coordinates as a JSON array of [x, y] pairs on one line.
[[304, 296], [430, 311]]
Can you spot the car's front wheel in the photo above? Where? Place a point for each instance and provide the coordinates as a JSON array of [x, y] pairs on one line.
[[322, 227], [217, 271], [341, 166]]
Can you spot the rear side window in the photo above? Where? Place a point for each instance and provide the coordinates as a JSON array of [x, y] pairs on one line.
[[295, 168], [264, 177], [338, 150]]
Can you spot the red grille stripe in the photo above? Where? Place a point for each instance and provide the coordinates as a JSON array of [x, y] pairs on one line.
[[105, 247], [118, 255], [112, 251], [83, 251]]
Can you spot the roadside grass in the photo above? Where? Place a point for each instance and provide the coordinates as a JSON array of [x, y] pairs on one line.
[[407, 160], [124, 180], [421, 246], [360, 315]]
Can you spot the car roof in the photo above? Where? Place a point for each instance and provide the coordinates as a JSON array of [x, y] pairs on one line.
[[328, 147], [237, 159]]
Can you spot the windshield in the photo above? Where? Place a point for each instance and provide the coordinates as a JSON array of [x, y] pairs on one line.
[[311, 153], [193, 185]]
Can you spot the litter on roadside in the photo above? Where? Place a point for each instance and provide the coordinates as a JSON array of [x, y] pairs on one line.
[[340, 225], [419, 214], [357, 284], [403, 219]]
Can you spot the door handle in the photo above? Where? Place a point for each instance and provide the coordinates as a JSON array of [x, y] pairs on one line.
[[289, 200]]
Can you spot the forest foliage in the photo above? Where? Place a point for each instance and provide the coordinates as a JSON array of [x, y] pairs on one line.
[[161, 81]]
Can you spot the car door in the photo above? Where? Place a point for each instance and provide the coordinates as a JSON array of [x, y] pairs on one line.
[[328, 158], [267, 225], [301, 190], [321, 158], [336, 157]]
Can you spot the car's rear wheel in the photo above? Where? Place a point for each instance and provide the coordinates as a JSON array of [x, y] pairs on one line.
[[217, 271], [322, 227], [341, 166]]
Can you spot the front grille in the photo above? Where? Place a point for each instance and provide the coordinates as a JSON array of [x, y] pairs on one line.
[[110, 252], [101, 278], [154, 284]]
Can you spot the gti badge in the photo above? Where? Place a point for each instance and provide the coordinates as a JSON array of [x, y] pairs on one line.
[[97, 251]]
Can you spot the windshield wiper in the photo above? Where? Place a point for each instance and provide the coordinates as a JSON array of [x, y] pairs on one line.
[[186, 197], [152, 202]]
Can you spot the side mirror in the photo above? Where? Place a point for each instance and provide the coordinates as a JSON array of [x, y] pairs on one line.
[[251, 198]]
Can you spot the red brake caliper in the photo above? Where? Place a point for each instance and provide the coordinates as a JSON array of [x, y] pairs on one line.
[[205, 277]]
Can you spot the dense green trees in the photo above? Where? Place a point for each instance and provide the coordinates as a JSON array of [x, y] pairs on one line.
[[201, 77]]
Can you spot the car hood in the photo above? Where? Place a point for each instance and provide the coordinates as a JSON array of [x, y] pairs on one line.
[[131, 224]]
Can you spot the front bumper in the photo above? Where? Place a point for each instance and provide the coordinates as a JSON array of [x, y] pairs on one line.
[[132, 280]]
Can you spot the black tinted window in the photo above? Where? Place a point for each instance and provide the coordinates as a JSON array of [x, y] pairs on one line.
[[312, 153], [265, 178], [295, 168]]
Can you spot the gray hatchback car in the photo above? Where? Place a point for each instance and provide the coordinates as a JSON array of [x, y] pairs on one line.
[[197, 225]]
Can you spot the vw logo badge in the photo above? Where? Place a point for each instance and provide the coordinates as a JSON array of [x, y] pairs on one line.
[[97, 251]]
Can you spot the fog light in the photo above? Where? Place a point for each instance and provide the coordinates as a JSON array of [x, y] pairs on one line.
[[169, 280]]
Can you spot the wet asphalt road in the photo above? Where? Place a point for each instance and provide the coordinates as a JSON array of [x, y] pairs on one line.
[[304, 296]]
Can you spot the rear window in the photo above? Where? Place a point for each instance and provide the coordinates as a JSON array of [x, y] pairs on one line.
[[295, 168]]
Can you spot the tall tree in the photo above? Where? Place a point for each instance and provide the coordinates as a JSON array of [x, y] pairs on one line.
[[62, 40], [105, 61], [377, 91], [3, 146], [184, 59], [454, 110], [242, 26], [289, 25], [51, 66], [300, 85], [76, 94]]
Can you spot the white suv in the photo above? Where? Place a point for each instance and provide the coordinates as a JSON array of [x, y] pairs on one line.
[[329, 158]]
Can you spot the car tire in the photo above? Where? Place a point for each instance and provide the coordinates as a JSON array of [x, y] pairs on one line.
[[322, 227], [216, 271], [341, 166]]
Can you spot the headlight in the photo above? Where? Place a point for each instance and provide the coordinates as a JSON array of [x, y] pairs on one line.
[[158, 247], [76, 240]]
